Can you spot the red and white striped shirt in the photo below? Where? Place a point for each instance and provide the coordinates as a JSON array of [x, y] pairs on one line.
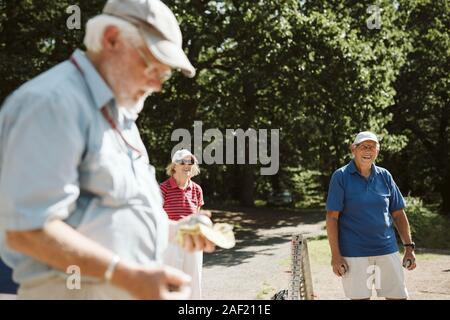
[[179, 203]]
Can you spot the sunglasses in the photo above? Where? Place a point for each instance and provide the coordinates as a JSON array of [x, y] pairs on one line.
[[183, 161]]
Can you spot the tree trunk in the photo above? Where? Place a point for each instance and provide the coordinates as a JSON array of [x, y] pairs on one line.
[[247, 186], [445, 194]]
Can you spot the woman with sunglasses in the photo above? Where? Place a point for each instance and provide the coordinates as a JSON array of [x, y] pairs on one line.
[[182, 198]]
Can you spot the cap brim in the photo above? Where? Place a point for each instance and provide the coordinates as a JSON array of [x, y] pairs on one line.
[[168, 53]]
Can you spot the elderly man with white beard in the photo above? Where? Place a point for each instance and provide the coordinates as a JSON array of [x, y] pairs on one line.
[[77, 191]]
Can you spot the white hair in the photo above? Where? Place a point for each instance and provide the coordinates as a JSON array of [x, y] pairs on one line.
[[95, 28]]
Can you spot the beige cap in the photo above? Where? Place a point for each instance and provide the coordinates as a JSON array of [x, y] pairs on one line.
[[159, 28]]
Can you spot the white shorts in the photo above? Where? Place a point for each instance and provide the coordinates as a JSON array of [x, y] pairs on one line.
[[384, 273]]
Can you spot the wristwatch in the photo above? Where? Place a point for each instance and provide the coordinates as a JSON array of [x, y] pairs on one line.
[[412, 245]]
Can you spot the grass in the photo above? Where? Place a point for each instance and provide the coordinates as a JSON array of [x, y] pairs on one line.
[[266, 291], [319, 251]]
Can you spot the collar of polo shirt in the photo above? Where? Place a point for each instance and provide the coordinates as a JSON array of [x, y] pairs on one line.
[[173, 184], [353, 169]]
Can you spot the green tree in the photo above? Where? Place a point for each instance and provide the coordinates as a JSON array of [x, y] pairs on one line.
[[314, 70], [311, 68], [34, 37], [238, 49], [422, 108]]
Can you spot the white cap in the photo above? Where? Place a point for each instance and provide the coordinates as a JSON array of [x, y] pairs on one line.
[[181, 154], [364, 136], [159, 28]]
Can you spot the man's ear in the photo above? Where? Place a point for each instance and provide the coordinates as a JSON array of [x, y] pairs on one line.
[[110, 38], [353, 150]]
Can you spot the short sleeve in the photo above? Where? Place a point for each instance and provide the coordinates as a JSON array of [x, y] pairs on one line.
[[163, 189], [41, 148], [336, 193], [396, 200]]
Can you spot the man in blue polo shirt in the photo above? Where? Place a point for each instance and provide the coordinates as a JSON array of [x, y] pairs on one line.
[[363, 205]]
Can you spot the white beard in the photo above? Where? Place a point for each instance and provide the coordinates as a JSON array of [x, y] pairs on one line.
[[126, 102], [135, 107]]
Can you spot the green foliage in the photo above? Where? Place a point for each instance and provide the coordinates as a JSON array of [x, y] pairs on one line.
[[422, 108], [428, 229], [34, 37], [418, 216], [311, 68], [307, 185], [314, 71]]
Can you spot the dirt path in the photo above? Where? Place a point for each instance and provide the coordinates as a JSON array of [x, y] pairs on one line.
[[259, 265]]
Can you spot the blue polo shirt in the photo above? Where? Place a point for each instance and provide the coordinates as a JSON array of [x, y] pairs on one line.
[[365, 205]]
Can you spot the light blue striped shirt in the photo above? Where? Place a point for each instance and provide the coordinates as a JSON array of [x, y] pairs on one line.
[[60, 159]]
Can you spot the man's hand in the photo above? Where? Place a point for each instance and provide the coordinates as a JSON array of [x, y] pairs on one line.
[[340, 266], [159, 283], [59, 245], [409, 259]]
